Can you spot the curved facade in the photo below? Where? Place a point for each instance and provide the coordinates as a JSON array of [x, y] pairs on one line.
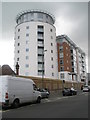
[[35, 44]]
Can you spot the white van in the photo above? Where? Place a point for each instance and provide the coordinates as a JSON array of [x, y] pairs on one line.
[[17, 90]]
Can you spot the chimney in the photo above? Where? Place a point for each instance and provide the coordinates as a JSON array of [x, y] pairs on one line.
[[17, 68]]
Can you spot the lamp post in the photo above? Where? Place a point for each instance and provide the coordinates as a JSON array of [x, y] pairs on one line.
[[43, 72]]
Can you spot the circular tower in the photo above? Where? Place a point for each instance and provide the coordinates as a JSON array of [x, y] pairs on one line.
[[35, 44]]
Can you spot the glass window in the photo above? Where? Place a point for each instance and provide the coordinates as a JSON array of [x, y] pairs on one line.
[[52, 74], [40, 34], [27, 73], [62, 68], [62, 75], [61, 48], [27, 27], [61, 55], [61, 61], [51, 30], [51, 51], [27, 65], [61, 41], [34, 87], [40, 15], [27, 35], [18, 51], [27, 49], [18, 44], [17, 59], [47, 16], [39, 72], [18, 30], [52, 66], [32, 16], [51, 58], [27, 57], [51, 37], [51, 44], [27, 41], [18, 37], [40, 28]]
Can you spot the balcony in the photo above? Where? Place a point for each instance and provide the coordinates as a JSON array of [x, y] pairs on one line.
[[41, 45]]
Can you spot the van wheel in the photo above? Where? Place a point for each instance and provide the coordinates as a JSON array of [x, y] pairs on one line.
[[38, 99], [16, 103]]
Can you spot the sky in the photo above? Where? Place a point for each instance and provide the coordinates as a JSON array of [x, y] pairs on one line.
[[71, 18]]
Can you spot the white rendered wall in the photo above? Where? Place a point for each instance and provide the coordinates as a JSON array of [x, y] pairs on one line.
[[32, 70]]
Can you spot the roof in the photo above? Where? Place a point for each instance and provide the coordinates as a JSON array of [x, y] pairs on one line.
[[6, 70], [37, 11]]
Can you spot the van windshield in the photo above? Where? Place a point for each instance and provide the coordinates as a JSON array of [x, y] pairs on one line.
[[34, 87]]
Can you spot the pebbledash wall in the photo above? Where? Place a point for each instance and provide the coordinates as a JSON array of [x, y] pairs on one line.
[[35, 44]]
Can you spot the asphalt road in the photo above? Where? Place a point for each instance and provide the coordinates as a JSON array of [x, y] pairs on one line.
[[60, 107]]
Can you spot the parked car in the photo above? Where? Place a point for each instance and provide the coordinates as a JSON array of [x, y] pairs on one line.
[[44, 93], [86, 88], [69, 91]]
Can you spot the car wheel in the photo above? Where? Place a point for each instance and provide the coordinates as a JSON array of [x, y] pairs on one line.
[[47, 96], [38, 99], [16, 103]]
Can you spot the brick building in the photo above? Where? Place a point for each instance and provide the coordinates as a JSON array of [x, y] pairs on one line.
[[71, 60]]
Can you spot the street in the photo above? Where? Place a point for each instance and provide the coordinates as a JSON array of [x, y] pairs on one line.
[[60, 107]]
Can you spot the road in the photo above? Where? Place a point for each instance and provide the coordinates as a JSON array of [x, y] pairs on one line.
[[60, 107]]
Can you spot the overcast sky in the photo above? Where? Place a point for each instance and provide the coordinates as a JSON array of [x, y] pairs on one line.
[[71, 19]]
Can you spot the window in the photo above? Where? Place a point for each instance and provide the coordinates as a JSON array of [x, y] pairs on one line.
[[27, 65], [27, 41], [39, 72], [27, 73], [51, 44], [61, 61], [51, 37], [41, 66], [34, 87], [61, 55], [17, 59], [32, 16], [52, 74], [27, 57], [27, 27], [40, 15], [47, 16], [51, 51], [18, 30], [18, 37], [51, 58], [18, 51], [52, 66], [40, 28], [51, 30], [61, 48], [62, 75], [18, 44], [27, 49], [40, 34], [62, 68], [27, 35], [61, 41]]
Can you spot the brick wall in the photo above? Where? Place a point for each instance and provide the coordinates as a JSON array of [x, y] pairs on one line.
[[53, 84]]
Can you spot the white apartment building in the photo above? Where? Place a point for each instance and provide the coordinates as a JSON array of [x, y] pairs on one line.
[[35, 44]]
